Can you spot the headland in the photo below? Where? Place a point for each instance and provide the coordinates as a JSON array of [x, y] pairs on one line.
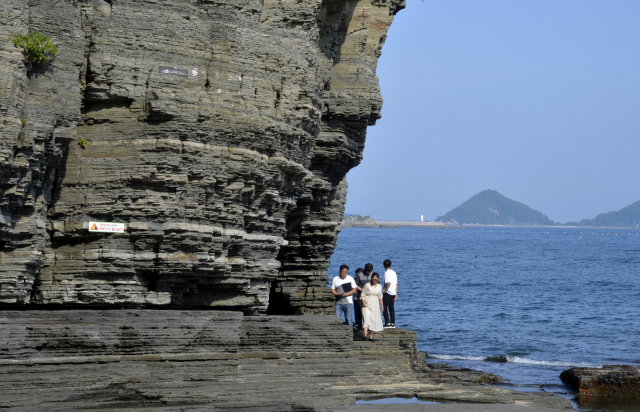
[[216, 136]]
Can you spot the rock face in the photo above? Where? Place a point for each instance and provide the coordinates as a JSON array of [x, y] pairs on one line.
[[219, 132]]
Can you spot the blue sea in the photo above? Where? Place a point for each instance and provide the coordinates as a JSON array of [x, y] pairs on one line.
[[543, 299]]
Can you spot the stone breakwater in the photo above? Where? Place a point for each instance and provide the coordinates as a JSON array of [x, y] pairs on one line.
[[219, 132], [167, 360]]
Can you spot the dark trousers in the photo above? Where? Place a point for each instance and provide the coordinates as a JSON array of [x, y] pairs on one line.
[[388, 301], [358, 310]]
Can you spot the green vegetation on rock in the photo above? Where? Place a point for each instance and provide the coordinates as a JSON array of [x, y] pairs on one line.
[[625, 217], [491, 208], [38, 49]]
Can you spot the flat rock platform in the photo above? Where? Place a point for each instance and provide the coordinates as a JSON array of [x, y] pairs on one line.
[[173, 360]]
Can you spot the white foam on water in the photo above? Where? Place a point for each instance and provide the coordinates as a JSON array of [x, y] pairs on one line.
[[456, 357], [513, 359], [527, 361]]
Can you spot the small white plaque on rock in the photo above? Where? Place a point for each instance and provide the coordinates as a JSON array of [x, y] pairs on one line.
[[173, 70], [106, 227]]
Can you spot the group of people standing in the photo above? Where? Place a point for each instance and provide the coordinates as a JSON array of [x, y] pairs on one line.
[[370, 296]]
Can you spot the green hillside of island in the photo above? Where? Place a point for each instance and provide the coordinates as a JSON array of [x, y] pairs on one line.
[[491, 208], [625, 217]]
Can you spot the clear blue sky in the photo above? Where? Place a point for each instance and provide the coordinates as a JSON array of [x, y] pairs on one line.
[[542, 98]]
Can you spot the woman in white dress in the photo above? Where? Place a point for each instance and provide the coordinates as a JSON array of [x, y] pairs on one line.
[[371, 307]]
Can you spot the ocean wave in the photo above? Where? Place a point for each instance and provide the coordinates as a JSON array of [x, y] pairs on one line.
[[512, 359], [456, 357], [527, 361]]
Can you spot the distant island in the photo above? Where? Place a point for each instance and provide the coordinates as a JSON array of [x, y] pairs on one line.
[[625, 217], [491, 208], [358, 221]]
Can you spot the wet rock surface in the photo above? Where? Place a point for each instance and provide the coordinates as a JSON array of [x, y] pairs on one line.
[[219, 132], [204, 360]]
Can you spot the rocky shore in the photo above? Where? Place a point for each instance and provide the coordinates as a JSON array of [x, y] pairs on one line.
[[64, 360], [218, 135]]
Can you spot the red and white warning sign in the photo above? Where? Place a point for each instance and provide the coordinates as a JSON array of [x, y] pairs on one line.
[[106, 227]]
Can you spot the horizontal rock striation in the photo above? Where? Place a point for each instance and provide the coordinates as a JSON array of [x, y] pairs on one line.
[[108, 360], [39, 112], [220, 133]]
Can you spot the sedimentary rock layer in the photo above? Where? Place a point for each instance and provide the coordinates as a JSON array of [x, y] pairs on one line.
[[218, 132], [64, 360]]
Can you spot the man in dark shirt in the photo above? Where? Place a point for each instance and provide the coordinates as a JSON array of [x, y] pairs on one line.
[[362, 278]]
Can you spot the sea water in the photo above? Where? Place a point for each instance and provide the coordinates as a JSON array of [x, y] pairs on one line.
[[534, 302]]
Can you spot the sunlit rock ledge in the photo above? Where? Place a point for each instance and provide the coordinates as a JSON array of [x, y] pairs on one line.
[[199, 360]]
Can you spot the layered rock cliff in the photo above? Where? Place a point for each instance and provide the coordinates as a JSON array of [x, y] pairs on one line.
[[220, 132]]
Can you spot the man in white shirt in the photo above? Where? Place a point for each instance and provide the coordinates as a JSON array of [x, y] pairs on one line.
[[342, 287], [389, 295]]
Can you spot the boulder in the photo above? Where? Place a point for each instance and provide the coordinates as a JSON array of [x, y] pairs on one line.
[[611, 382]]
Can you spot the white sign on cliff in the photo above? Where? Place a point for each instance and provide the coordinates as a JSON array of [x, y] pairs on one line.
[[106, 227], [173, 70]]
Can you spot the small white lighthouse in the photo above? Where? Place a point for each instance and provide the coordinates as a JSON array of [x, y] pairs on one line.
[[422, 218]]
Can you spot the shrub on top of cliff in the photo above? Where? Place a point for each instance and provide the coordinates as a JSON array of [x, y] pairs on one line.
[[37, 49]]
